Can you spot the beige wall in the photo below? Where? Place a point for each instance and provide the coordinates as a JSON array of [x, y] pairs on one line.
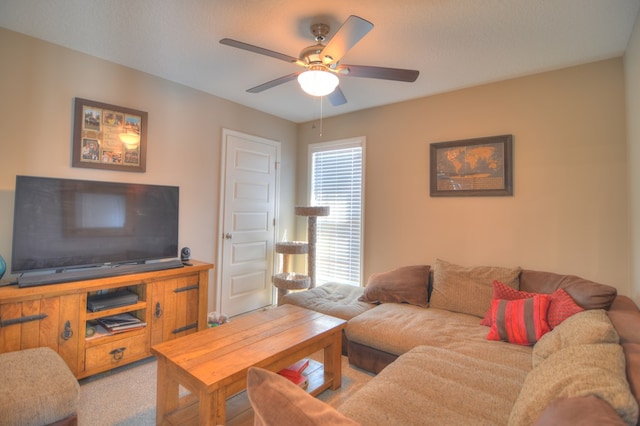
[[632, 74], [38, 84], [569, 211]]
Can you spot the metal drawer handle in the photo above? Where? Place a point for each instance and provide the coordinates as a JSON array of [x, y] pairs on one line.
[[117, 354], [5, 323], [67, 333], [158, 312], [187, 288], [185, 328]]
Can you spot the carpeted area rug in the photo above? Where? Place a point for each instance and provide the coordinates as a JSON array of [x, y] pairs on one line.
[[127, 396]]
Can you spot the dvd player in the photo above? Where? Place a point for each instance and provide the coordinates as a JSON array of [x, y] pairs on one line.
[[100, 302]]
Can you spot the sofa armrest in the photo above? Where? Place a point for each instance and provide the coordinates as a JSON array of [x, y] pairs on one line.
[[625, 317], [583, 410], [588, 294]]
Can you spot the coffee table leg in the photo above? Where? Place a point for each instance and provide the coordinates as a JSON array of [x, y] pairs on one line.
[[167, 391], [333, 361], [212, 408]]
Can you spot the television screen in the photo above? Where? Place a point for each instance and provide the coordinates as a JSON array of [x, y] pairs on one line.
[[64, 223]]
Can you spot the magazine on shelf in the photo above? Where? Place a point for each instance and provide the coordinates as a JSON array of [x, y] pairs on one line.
[[121, 322], [100, 331], [128, 327], [294, 373]]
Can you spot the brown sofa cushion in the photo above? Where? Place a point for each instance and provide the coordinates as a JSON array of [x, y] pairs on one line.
[[36, 387], [335, 299], [632, 359], [468, 290], [396, 328], [408, 284], [474, 384], [584, 328], [578, 370], [586, 410], [277, 401], [588, 294]]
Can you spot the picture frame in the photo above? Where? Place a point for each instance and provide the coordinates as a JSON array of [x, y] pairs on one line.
[[472, 167], [109, 137]]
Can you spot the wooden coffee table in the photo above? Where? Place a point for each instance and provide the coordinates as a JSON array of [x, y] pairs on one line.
[[212, 364]]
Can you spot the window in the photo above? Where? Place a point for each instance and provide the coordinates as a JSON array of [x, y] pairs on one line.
[[337, 181]]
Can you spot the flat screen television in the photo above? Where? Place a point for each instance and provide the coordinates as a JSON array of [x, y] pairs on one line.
[[63, 223]]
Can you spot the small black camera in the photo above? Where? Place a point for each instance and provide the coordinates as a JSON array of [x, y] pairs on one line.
[[185, 254]]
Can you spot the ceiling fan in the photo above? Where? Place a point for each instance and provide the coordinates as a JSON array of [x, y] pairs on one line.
[[322, 62]]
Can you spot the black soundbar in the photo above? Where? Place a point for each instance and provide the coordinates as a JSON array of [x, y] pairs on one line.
[[33, 280]]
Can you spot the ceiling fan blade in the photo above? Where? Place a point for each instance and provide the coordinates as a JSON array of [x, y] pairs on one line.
[[273, 83], [337, 97], [382, 73], [256, 49], [349, 33]]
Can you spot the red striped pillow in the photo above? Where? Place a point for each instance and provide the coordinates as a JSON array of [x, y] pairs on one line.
[[521, 321]]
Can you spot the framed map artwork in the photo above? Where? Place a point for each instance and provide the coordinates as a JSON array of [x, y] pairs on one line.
[[472, 167], [109, 137]]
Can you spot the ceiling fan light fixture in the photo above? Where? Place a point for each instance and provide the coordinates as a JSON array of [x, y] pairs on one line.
[[318, 82]]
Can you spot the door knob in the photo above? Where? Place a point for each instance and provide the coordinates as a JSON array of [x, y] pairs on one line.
[[227, 236]]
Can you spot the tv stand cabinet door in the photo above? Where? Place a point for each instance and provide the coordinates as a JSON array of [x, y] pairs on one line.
[[49, 321], [175, 307]]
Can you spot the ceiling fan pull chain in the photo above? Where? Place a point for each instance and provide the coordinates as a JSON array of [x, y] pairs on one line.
[[321, 98]]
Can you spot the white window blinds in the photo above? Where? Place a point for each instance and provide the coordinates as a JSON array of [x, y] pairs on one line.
[[337, 182]]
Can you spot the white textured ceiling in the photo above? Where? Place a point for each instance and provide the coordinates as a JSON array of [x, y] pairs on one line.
[[453, 43]]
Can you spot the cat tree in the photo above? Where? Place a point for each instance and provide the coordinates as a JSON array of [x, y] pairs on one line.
[[288, 280]]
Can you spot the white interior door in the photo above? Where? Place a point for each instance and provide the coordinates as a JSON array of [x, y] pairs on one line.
[[249, 191]]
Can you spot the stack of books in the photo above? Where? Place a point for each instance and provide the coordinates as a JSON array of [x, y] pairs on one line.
[[121, 322], [294, 373]]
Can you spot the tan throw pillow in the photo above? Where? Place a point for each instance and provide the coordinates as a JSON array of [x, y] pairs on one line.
[[579, 370], [277, 401], [468, 290], [583, 328], [408, 284]]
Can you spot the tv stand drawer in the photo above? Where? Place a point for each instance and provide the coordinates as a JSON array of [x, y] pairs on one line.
[[117, 352]]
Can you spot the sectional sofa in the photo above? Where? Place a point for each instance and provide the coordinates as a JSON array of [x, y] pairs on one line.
[[475, 345]]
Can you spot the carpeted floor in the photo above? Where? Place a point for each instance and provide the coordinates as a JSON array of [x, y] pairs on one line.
[[127, 396]]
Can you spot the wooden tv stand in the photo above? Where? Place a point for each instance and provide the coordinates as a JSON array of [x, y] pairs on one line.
[[173, 303]]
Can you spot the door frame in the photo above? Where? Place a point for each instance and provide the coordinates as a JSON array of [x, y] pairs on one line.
[[221, 207]]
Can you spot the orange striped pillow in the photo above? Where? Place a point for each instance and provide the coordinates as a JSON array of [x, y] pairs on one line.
[[521, 321]]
